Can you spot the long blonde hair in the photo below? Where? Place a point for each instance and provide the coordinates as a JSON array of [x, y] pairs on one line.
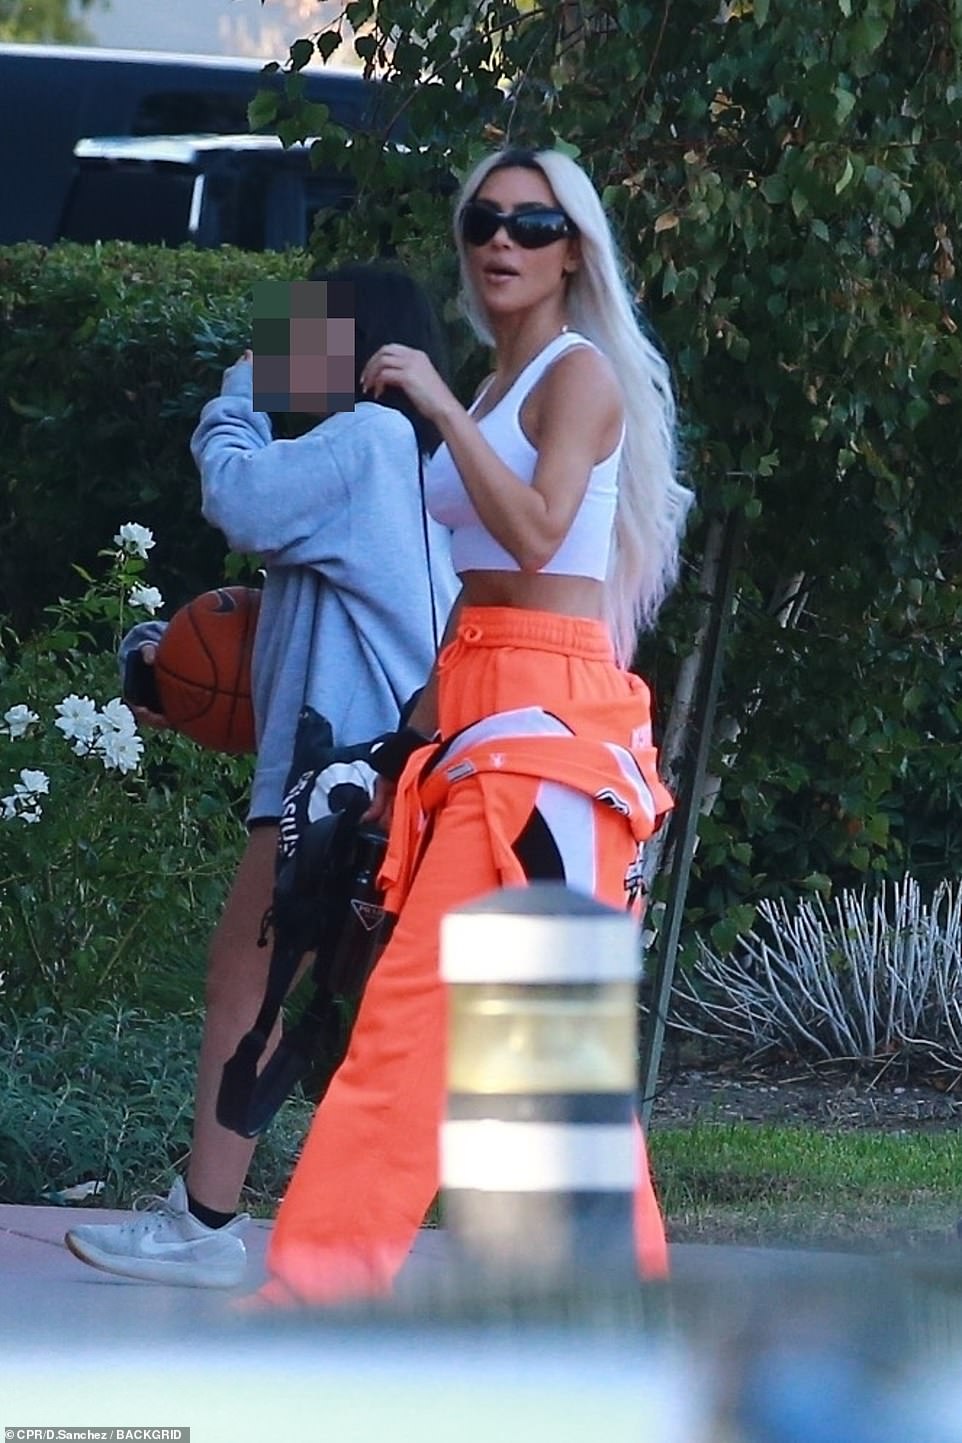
[[652, 505]]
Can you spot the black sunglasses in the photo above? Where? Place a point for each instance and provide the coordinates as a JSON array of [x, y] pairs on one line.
[[530, 229]]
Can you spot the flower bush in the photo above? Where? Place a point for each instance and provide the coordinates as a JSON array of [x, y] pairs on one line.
[[110, 732], [114, 854]]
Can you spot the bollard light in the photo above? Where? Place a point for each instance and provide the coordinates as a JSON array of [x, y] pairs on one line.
[[538, 1150]]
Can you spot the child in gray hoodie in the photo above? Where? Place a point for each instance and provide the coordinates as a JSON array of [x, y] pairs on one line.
[[358, 586]]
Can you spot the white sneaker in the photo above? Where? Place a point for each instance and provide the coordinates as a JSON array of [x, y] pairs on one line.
[[165, 1244]]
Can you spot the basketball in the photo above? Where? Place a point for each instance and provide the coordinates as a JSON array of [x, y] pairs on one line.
[[203, 669]]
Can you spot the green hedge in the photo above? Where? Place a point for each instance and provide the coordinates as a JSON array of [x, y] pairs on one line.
[[106, 1096], [108, 354]]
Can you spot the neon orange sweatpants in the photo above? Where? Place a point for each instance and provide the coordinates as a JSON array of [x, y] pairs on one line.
[[370, 1167]]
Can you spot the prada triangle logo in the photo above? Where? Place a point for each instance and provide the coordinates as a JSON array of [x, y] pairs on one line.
[[367, 913]]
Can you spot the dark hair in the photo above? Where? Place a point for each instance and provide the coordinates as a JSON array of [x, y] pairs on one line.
[[391, 307]]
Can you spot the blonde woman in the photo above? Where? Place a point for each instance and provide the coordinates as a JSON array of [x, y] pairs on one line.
[[558, 485]]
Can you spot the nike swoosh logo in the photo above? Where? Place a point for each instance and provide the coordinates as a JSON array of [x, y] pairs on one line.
[[151, 1248]]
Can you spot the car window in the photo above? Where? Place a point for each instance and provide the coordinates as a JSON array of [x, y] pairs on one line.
[[147, 204], [190, 112]]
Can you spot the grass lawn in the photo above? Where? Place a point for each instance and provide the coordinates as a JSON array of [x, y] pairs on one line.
[[765, 1183]]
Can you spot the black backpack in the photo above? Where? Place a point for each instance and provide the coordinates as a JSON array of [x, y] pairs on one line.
[[326, 903]]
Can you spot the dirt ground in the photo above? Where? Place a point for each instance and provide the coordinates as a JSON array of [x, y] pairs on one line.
[[796, 1092]]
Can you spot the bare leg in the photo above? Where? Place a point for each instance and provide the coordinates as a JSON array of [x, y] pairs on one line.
[[236, 977]]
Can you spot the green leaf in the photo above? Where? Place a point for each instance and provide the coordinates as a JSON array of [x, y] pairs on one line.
[[877, 828], [775, 189], [868, 32], [328, 43], [848, 170], [760, 10], [844, 104], [314, 116], [743, 916], [302, 53], [290, 131], [724, 935], [262, 110]]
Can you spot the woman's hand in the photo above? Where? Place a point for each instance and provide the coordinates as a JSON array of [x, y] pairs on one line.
[[412, 373], [382, 804]]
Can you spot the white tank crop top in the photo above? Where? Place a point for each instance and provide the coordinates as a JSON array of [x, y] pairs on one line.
[[585, 549]]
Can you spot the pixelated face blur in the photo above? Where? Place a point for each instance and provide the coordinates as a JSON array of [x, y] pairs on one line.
[[303, 344], [509, 277]]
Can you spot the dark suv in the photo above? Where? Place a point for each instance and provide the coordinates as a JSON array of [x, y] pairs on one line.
[[242, 190], [101, 145]]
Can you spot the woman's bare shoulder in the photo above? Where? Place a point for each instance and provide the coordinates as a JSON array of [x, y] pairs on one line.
[[582, 388], [583, 367]]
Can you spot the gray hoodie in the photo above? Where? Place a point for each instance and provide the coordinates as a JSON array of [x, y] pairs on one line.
[[336, 518]]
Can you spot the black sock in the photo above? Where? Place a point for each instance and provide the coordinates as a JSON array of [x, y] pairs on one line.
[[208, 1216]]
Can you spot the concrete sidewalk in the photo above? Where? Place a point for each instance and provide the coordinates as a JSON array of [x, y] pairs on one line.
[[82, 1347], [44, 1289]]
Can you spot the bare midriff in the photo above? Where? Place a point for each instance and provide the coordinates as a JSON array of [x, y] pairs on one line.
[[566, 595]]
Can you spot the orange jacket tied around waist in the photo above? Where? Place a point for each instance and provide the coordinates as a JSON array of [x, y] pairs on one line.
[[512, 756]]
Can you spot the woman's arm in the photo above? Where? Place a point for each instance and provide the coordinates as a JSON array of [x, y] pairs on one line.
[[579, 410]]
